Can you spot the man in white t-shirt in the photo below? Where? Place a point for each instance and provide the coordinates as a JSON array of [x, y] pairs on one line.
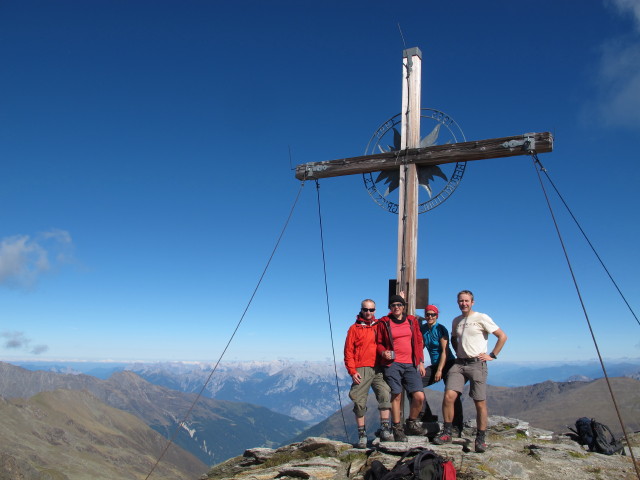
[[469, 337]]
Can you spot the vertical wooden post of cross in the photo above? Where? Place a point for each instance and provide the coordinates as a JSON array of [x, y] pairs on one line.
[[408, 187]]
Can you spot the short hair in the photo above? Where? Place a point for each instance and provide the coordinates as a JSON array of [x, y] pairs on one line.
[[467, 292], [366, 300]]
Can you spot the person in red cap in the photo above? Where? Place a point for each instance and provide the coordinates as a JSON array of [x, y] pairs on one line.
[[436, 341]]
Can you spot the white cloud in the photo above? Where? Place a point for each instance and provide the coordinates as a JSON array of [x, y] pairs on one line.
[[38, 349], [618, 102], [14, 339], [17, 340], [631, 7], [620, 83], [24, 259]]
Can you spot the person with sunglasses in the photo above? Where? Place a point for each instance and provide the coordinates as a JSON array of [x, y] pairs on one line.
[[401, 349], [435, 337], [363, 365]]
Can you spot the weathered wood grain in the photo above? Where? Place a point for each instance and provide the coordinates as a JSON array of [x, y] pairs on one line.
[[436, 155]]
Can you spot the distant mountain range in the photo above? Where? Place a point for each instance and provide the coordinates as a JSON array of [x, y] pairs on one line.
[[549, 405], [214, 431], [307, 391], [515, 374], [303, 390], [46, 416]]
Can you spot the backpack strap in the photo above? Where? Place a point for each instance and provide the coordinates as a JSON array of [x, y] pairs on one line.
[[408, 453], [608, 430], [402, 467], [427, 465], [604, 440]]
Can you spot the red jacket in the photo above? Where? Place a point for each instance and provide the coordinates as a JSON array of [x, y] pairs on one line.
[[360, 345], [384, 339]]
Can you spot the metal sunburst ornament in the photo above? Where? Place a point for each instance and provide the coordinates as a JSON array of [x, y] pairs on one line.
[[387, 138]]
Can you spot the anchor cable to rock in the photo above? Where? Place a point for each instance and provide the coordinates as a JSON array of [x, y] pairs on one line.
[[536, 162], [255, 290], [326, 292]]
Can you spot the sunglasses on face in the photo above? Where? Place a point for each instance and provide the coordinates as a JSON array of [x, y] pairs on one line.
[[431, 314], [396, 305], [368, 309]]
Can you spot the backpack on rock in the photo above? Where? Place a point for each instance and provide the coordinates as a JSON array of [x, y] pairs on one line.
[[597, 436]]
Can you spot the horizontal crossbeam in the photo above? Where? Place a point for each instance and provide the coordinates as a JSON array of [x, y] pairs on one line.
[[436, 155]]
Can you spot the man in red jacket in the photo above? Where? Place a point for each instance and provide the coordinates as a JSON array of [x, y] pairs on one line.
[[400, 347], [363, 365]]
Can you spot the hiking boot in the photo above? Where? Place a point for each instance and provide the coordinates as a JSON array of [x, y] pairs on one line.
[[444, 437], [362, 440], [386, 435], [480, 445], [413, 427], [398, 433]]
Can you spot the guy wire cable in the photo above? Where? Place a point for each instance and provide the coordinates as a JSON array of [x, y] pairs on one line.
[[255, 290], [326, 293], [402, 36], [544, 170], [584, 309]]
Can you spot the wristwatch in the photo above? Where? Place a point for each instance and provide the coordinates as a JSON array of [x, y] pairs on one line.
[[493, 355]]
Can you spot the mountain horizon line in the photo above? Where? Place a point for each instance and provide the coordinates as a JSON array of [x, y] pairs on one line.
[[10, 359]]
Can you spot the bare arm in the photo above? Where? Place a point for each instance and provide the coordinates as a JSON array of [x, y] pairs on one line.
[[502, 339], [442, 360]]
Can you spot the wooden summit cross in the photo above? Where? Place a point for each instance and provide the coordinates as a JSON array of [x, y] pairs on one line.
[[409, 157]]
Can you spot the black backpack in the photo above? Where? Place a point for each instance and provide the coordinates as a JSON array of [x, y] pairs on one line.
[[426, 465], [597, 436]]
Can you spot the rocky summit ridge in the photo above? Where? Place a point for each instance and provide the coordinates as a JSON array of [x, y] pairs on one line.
[[516, 451]]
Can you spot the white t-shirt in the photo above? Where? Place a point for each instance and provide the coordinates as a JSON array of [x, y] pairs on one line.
[[473, 334]]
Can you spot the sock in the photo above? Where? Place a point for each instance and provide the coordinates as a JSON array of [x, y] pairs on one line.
[[480, 434], [447, 427]]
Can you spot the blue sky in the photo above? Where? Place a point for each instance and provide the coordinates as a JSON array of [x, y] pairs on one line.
[[146, 173]]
